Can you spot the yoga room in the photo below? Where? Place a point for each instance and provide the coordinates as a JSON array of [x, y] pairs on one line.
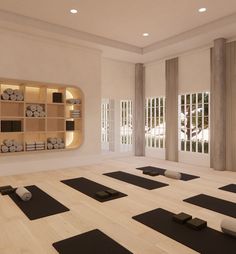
[[117, 126]]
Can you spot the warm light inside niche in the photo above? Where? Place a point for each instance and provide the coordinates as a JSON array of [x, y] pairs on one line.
[[69, 134]]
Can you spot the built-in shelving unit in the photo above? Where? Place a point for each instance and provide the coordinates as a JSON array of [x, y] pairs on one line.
[[61, 119]]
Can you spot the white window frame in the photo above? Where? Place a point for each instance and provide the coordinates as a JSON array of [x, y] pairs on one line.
[[126, 125], [198, 140], [155, 139], [107, 125]]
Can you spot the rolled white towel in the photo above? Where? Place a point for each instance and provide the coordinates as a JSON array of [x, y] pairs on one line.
[[228, 226], [29, 113], [61, 145], [4, 149], [17, 92], [39, 108], [9, 91], [42, 114], [12, 149], [52, 140], [59, 140], [50, 146], [36, 114], [19, 97], [173, 174], [5, 96], [19, 148], [33, 107], [13, 97], [23, 193], [55, 146], [8, 142]]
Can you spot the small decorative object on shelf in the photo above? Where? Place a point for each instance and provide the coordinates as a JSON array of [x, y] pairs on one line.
[[70, 125], [11, 126], [57, 97], [11, 146], [75, 113], [55, 143], [35, 110], [12, 95], [73, 101]]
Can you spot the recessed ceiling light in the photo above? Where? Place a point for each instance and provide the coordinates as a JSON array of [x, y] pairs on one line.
[[73, 11], [203, 9], [145, 34]]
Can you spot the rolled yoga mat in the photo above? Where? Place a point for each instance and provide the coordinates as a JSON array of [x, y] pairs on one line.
[[55, 146], [5, 96], [50, 146], [172, 174], [59, 140], [61, 146], [42, 114], [39, 108], [17, 92], [12, 149], [19, 148], [23, 193], [32, 107], [52, 140], [228, 226]]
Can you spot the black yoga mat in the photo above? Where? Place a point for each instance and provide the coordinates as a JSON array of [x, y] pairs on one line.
[[40, 205], [205, 241], [136, 180], [92, 242], [215, 204], [230, 188], [161, 171], [90, 188]]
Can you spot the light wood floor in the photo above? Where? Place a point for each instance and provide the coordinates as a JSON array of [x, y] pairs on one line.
[[19, 235]]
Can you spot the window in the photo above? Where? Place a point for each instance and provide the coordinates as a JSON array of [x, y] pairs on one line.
[[155, 122], [107, 121], [126, 128], [194, 122]]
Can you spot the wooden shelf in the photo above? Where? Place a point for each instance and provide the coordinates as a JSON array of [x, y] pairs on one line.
[[35, 129]]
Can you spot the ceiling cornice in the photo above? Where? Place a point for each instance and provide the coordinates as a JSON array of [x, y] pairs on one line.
[[191, 39]]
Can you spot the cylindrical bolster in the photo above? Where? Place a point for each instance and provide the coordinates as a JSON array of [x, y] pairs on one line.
[[228, 226], [173, 174], [23, 193]]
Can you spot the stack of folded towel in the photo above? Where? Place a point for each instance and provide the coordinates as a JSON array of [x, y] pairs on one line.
[[12, 95], [73, 101], [55, 143], [35, 146], [75, 113], [35, 110], [11, 146]]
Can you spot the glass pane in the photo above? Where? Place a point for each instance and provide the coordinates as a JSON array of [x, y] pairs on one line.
[[206, 109], [182, 99], [205, 147], [188, 146], [182, 145], [200, 147], [199, 98], [182, 109], [188, 98], [161, 101], [194, 98], [206, 97], [194, 145]]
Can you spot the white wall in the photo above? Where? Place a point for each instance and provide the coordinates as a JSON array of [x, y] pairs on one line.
[[118, 82], [25, 57]]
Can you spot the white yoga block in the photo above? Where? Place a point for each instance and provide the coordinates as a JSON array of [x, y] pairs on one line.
[[173, 174], [23, 193], [228, 226]]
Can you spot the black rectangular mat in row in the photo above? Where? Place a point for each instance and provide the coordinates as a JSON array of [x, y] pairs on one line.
[[229, 187], [205, 241], [40, 205], [161, 171], [92, 242], [90, 188], [136, 180], [215, 204]]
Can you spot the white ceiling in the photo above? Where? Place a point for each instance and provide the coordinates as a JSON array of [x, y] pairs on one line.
[[116, 26], [125, 20]]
